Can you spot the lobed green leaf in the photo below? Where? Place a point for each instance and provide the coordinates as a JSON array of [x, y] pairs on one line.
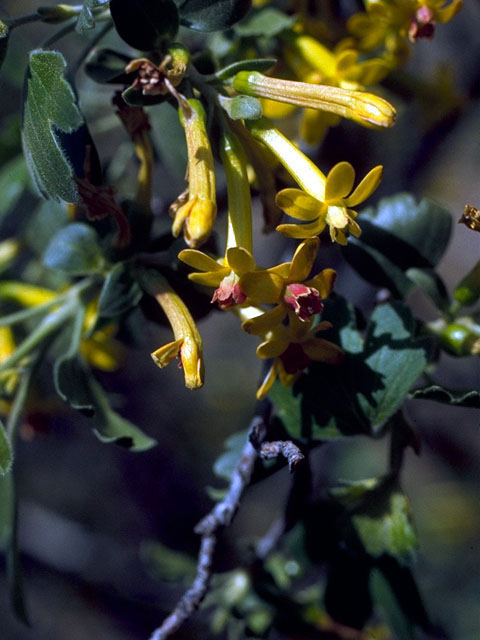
[[448, 396], [50, 115], [211, 15]]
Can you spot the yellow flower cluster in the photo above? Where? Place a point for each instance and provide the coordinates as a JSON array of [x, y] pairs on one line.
[[282, 305]]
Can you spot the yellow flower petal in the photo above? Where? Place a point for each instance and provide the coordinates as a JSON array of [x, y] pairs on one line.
[[165, 354], [262, 286], [210, 278], [265, 322], [339, 181], [323, 282], [302, 231], [267, 383], [272, 348], [281, 270], [298, 204], [240, 260], [366, 187], [199, 260], [303, 260]]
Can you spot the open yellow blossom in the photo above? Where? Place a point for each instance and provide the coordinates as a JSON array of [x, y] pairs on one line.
[[388, 23], [322, 200], [227, 274], [332, 209], [198, 213], [293, 348], [296, 296]]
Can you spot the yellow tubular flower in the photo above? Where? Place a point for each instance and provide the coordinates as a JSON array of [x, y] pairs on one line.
[[28, 295], [8, 379], [239, 204], [365, 108], [198, 214], [188, 342], [323, 200]]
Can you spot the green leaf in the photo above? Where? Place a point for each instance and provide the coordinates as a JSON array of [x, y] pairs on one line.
[[257, 64], [384, 597], [366, 389], [242, 107], [165, 564], [432, 284], [412, 234], [9, 545], [120, 292], [110, 427], [107, 66], [377, 268], [145, 24], [226, 463], [4, 35], [268, 22], [14, 179], [380, 514], [75, 250], [50, 116], [86, 20], [211, 15], [43, 224], [71, 380], [390, 532], [447, 396], [6, 452], [400, 244], [396, 358]]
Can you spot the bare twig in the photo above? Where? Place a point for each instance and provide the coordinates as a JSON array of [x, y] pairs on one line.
[[220, 516]]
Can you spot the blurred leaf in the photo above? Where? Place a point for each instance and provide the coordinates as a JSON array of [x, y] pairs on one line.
[[75, 250], [225, 465], [70, 376], [107, 66], [9, 545], [211, 15], [401, 235], [109, 426], [167, 564], [120, 292], [50, 115], [258, 64], [14, 178], [6, 510], [432, 284], [242, 107], [386, 528], [145, 24], [268, 22], [377, 268], [412, 234], [6, 452], [447, 396], [43, 224], [86, 20], [4, 35], [384, 597]]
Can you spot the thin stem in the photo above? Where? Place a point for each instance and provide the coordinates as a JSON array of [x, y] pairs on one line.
[[18, 22], [75, 66], [67, 28], [21, 397]]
